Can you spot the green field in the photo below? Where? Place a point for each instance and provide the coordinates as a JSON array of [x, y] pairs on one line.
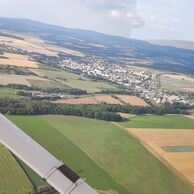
[[65, 150], [164, 122], [46, 84], [8, 92], [75, 81], [12, 179], [178, 148], [106, 155], [173, 84], [55, 78]]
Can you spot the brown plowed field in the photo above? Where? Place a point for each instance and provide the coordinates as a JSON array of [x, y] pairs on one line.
[[105, 99], [91, 100], [133, 100]]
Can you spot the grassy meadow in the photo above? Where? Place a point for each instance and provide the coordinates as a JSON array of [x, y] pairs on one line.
[[67, 151], [74, 80], [180, 83], [12, 178], [106, 155], [55, 78], [46, 84], [8, 92], [167, 121]]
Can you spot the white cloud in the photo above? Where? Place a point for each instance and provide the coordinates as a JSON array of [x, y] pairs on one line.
[[109, 16], [115, 13], [128, 17], [164, 22]]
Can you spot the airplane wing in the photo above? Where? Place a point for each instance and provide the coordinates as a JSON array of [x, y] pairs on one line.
[[55, 172]]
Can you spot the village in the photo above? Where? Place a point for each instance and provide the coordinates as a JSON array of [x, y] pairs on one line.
[[143, 83]]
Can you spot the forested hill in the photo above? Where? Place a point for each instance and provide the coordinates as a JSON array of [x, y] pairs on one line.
[[118, 49]]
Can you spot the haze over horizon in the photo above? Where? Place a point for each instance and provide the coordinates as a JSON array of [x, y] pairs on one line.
[[130, 18]]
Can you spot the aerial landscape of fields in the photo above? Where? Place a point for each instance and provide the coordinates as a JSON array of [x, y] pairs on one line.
[[117, 111], [89, 140], [14, 179], [17, 60], [173, 146], [97, 99], [178, 82]]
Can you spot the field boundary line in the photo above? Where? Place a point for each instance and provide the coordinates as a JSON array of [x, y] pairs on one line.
[[92, 159], [158, 156], [22, 168]]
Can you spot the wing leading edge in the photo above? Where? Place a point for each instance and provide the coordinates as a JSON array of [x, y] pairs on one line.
[[55, 172]]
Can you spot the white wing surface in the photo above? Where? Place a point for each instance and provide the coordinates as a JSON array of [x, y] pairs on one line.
[[55, 172]]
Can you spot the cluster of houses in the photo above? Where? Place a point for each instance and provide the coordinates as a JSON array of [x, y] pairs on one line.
[[144, 83]]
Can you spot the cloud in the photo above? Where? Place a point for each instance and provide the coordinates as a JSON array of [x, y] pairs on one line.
[[128, 16], [110, 14], [110, 4], [175, 3], [166, 23], [115, 13], [167, 15], [120, 17]]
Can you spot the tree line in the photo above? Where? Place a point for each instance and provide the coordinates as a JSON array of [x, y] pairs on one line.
[[12, 70], [166, 108], [70, 91], [34, 107], [100, 111]]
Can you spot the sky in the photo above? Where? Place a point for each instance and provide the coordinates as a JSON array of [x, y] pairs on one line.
[[141, 19]]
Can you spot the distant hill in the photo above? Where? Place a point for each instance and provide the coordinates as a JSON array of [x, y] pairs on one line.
[[118, 49], [175, 43]]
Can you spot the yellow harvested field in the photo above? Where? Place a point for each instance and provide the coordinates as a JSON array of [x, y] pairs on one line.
[[166, 137], [34, 44], [179, 77], [18, 79], [133, 100], [17, 60], [91, 100], [107, 99], [178, 158], [26, 45], [84, 100], [63, 50], [177, 82], [190, 116]]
